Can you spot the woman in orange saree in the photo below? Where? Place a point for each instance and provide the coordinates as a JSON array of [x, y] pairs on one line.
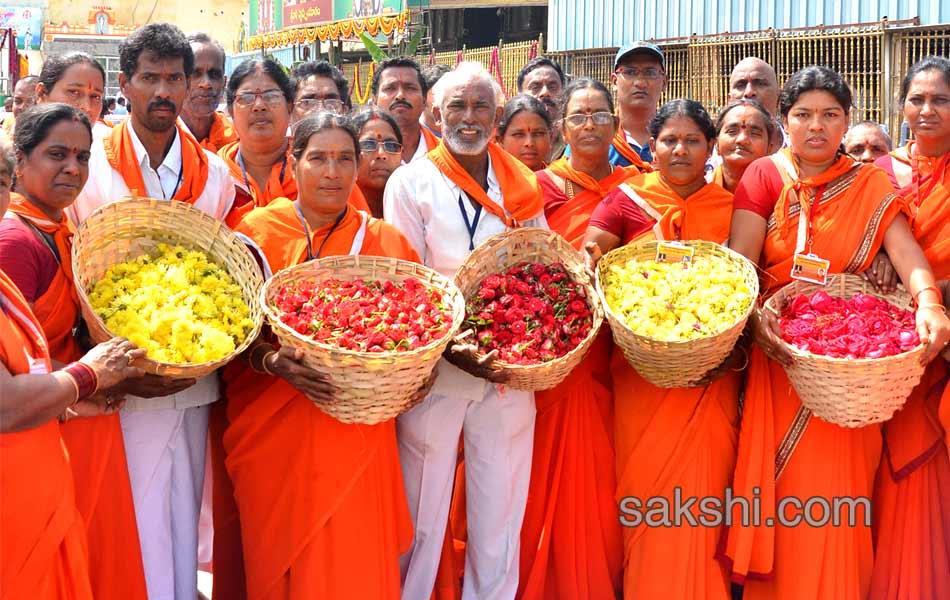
[[336, 523], [912, 491], [671, 439], [570, 538], [809, 198]]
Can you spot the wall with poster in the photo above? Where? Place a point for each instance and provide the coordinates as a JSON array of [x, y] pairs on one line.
[[27, 22], [307, 12], [350, 9]]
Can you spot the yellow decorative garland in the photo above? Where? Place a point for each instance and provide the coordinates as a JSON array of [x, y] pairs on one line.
[[351, 28], [362, 95]]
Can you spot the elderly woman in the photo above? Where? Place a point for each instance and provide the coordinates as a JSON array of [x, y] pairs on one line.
[[345, 540], [743, 133], [37, 489], [812, 199], [380, 151]]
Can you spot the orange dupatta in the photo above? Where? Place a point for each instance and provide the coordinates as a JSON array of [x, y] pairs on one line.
[[622, 146], [220, 135], [431, 140], [42, 542], [121, 155], [519, 187], [97, 453], [571, 218]]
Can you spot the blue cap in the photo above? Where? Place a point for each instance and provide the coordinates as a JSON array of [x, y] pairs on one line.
[[640, 48]]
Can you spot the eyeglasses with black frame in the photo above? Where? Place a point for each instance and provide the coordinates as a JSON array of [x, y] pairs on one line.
[[389, 146]]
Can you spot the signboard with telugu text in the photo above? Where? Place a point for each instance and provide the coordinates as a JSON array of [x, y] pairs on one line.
[[307, 12]]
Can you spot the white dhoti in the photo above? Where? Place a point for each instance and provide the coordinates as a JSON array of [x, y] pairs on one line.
[[498, 433], [165, 449]]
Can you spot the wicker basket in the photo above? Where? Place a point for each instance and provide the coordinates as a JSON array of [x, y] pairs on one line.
[[675, 364], [531, 244], [846, 391], [129, 228], [373, 387]]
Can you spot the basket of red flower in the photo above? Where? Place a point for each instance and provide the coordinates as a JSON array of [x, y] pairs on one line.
[[856, 351], [528, 296], [376, 326]]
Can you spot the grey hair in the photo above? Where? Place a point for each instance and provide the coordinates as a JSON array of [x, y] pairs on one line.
[[881, 128], [466, 72]]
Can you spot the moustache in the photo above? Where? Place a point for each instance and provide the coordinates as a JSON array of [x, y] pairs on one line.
[[400, 103], [157, 104]]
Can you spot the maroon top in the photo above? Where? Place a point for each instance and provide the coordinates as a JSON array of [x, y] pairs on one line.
[[554, 197], [759, 188], [619, 215], [886, 162], [25, 258]]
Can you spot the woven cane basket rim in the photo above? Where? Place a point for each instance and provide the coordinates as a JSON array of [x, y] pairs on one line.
[[675, 364], [850, 392], [533, 244], [128, 228], [373, 386]]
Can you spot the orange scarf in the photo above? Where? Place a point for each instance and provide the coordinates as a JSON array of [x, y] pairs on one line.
[[842, 165], [717, 177], [58, 308], [431, 140], [277, 186], [121, 155], [705, 215], [519, 187], [104, 122], [571, 218], [220, 135], [621, 145]]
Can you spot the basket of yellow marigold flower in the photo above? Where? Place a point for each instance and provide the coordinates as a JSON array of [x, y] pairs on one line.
[[171, 279]]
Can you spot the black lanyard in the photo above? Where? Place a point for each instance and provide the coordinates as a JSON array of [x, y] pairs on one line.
[[470, 225], [306, 229], [240, 161], [177, 183]]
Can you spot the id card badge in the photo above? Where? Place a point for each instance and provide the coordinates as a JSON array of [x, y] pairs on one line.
[[810, 268], [674, 252]]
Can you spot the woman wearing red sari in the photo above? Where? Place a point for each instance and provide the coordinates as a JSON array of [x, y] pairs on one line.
[[812, 199], [669, 439], [570, 538], [43, 544], [912, 491]]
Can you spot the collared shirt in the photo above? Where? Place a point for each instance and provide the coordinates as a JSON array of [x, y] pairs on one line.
[[423, 204], [619, 160], [421, 150], [106, 185]]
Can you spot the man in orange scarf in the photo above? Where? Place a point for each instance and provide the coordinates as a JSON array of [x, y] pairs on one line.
[[639, 78], [199, 113], [151, 154], [399, 88], [457, 196]]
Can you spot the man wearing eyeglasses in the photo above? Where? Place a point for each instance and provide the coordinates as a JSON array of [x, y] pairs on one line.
[[165, 421], [399, 89], [319, 86], [639, 78], [199, 111]]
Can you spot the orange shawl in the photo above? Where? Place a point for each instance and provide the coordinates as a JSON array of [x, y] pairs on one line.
[[849, 225], [673, 219], [345, 539], [571, 218], [42, 542], [220, 135], [121, 155], [519, 187], [622, 146], [431, 140], [97, 454]]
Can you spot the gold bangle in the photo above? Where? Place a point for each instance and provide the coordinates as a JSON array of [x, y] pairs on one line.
[[940, 307], [264, 362], [253, 354], [72, 381]]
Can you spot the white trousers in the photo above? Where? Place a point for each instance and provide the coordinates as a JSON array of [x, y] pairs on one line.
[[498, 432], [165, 450]]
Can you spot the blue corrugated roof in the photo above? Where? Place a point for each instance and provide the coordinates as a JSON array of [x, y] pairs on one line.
[[580, 24]]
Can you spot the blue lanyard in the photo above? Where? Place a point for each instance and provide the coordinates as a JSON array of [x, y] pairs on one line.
[[240, 161], [470, 225]]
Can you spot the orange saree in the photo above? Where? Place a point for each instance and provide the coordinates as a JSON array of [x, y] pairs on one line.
[[912, 490], [43, 549], [674, 439], [783, 450], [570, 538], [337, 522], [96, 449]]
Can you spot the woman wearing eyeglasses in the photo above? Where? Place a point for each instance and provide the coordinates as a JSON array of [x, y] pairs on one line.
[[380, 144], [571, 491], [681, 439], [260, 100]]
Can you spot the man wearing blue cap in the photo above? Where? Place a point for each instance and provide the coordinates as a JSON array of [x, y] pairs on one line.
[[639, 77]]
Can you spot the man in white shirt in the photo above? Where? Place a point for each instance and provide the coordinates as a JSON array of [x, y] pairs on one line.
[[446, 203], [152, 154], [399, 89]]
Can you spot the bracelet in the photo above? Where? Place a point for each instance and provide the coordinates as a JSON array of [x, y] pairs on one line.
[[934, 305], [253, 355], [931, 288], [86, 380], [264, 361], [62, 375]]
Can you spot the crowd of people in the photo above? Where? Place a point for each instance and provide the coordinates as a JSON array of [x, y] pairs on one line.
[[116, 484]]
